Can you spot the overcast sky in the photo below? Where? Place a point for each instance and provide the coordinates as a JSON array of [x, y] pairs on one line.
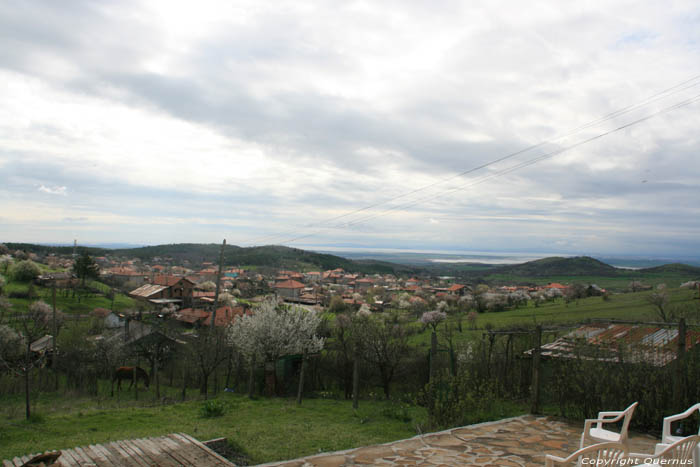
[[263, 122]]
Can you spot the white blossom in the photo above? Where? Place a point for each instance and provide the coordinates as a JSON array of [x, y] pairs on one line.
[[271, 333]]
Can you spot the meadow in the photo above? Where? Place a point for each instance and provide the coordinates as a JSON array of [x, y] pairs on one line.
[[262, 430]]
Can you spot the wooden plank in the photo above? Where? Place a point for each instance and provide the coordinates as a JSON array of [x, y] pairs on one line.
[[7, 463], [101, 453], [176, 451], [85, 459], [161, 451], [222, 460], [123, 456], [191, 450], [69, 458], [26, 459], [127, 454], [144, 456], [135, 454], [154, 456], [17, 461]]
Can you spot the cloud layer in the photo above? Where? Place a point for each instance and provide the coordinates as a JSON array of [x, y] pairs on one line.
[[263, 123]]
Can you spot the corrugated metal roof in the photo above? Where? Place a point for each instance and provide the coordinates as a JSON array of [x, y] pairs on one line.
[[604, 342], [148, 290]]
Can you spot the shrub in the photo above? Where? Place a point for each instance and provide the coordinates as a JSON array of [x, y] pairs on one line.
[[25, 271], [458, 400], [397, 411], [212, 409]]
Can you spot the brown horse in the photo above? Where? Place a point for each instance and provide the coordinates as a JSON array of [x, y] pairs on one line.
[[129, 373]]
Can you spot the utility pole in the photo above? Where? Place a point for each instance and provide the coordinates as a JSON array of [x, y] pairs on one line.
[[54, 355], [218, 284]]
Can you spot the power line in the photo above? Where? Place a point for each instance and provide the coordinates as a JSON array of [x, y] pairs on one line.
[[685, 85], [505, 171]]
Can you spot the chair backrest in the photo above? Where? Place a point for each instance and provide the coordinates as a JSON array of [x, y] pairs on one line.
[[626, 421], [680, 450], [595, 454], [666, 435]]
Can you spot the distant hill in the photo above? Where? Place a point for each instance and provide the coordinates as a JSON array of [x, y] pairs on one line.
[[558, 266], [59, 250], [675, 268], [263, 256]]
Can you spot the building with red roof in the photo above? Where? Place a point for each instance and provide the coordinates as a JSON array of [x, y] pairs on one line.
[[289, 289]]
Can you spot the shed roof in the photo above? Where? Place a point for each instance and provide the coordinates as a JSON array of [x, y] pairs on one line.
[[148, 290], [642, 344], [172, 449]]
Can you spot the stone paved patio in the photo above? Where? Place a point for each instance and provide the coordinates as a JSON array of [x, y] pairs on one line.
[[520, 441]]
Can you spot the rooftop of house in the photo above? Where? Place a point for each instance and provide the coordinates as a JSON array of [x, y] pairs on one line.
[[290, 284]]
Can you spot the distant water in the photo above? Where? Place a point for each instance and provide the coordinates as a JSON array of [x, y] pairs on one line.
[[418, 256]]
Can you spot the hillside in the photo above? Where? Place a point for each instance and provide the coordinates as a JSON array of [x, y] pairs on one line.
[[675, 268], [558, 266], [262, 256]]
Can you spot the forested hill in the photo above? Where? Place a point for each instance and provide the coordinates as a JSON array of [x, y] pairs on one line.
[[558, 266], [678, 268], [263, 256]]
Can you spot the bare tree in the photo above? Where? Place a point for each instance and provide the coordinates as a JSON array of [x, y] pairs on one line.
[[659, 299], [208, 349], [384, 345], [432, 319], [16, 350]]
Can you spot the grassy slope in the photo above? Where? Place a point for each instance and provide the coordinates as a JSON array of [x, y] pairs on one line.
[[619, 282], [268, 429], [68, 304], [629, 306]]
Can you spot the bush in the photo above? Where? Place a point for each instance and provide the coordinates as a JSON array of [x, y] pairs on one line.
[[212, 409], [458, 400], [25, 271], [397, 411]]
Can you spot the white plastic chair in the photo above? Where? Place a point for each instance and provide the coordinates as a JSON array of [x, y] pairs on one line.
[[598, 434], [678, 453], [596, 454], [667, 438]]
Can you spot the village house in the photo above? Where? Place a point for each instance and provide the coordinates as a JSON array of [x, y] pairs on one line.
[[110, 319], [457, 289], [289, 289], [226, 315], [165, 290], [363, 285]]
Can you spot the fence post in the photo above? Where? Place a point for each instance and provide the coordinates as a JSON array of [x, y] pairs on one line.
[[535, 389], [679, 380]]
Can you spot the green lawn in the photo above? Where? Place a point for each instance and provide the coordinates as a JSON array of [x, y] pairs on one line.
[[627, 306], [617, 283], [267, 429], [68, 303]]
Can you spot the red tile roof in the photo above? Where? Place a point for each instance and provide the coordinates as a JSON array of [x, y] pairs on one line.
[[191, 316], [455, 288], [168, 280], [226, 315], [290, 284]]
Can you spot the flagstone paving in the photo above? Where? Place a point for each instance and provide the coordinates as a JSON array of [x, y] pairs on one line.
[[513, 442]]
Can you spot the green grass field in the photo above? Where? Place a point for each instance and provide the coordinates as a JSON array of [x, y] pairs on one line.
[[68, 303], [267, 429], [618, 283], [627, 306]]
